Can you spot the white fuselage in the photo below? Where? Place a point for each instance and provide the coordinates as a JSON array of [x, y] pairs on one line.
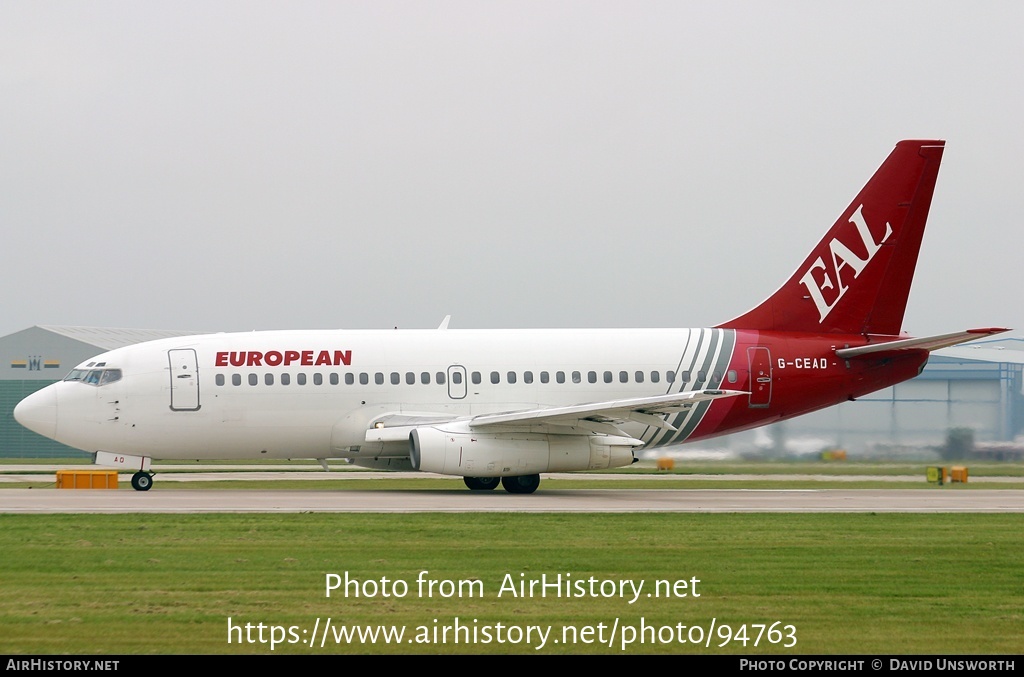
[[314, 394]]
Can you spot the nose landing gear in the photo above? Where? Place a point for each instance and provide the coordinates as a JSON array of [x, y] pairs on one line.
[[142, 481]]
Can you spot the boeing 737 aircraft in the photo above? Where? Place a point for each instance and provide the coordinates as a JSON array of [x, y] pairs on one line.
[[506, 405]]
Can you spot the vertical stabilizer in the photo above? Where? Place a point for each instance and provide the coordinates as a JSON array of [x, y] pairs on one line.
[[857, 279]]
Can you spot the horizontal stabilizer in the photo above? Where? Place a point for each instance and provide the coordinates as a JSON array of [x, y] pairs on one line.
[[928, 343]]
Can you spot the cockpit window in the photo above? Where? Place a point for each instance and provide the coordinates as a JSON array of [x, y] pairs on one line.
[[94, 377], [109, 376]]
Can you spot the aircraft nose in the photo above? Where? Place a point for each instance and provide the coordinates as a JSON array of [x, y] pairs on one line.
[[38, 412]]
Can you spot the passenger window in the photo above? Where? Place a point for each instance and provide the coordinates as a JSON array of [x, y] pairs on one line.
[[577, 377], [639, 377], [655, 376], [441, 378], [350, 379], [732, 376], [364, 378], [544, 377], [410, 378], [286, 379], [685, 376], [527, 377], [268, 379], [476, 378], [560, 376], [623, 377], [457, 377], [702, 376], [253, 379], [425, 378], [511, 377], [219, 379], [592, 376], [318, 379], [670, 376], [236, 379], [300, 379], [396, 378], [495, 377], [378, 378], [716, 376], [607, 377]]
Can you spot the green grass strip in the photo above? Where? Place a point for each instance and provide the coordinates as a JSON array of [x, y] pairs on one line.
[[848, 583]]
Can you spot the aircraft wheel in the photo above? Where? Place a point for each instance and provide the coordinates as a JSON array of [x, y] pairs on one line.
[[481, 483], [521, 484], [142, 481]]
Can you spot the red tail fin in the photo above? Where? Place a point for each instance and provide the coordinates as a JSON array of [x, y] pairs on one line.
[[857, 279]]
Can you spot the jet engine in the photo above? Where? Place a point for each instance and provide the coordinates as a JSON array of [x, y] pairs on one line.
[[510, 454]]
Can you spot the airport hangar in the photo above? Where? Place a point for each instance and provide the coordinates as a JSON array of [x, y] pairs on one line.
[[977, 386]]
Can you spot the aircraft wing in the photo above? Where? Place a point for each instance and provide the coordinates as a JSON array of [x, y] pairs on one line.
[[928, 343], [640, 409], [646, 410]]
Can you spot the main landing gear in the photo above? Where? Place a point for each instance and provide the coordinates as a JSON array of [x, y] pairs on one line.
[[142, 481], [521, 484], [482, 483]]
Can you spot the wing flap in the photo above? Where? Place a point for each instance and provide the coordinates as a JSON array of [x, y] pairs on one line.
[[641, 409]]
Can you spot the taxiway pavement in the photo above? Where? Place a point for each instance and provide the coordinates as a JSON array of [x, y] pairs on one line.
[[166, 500]]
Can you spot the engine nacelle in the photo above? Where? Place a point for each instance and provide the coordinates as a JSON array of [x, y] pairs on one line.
[[470, 454]]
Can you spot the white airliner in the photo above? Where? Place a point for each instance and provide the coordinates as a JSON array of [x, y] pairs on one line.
[[506, 405]]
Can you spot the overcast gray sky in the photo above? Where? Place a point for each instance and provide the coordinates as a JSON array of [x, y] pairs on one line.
[[261, 165]]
